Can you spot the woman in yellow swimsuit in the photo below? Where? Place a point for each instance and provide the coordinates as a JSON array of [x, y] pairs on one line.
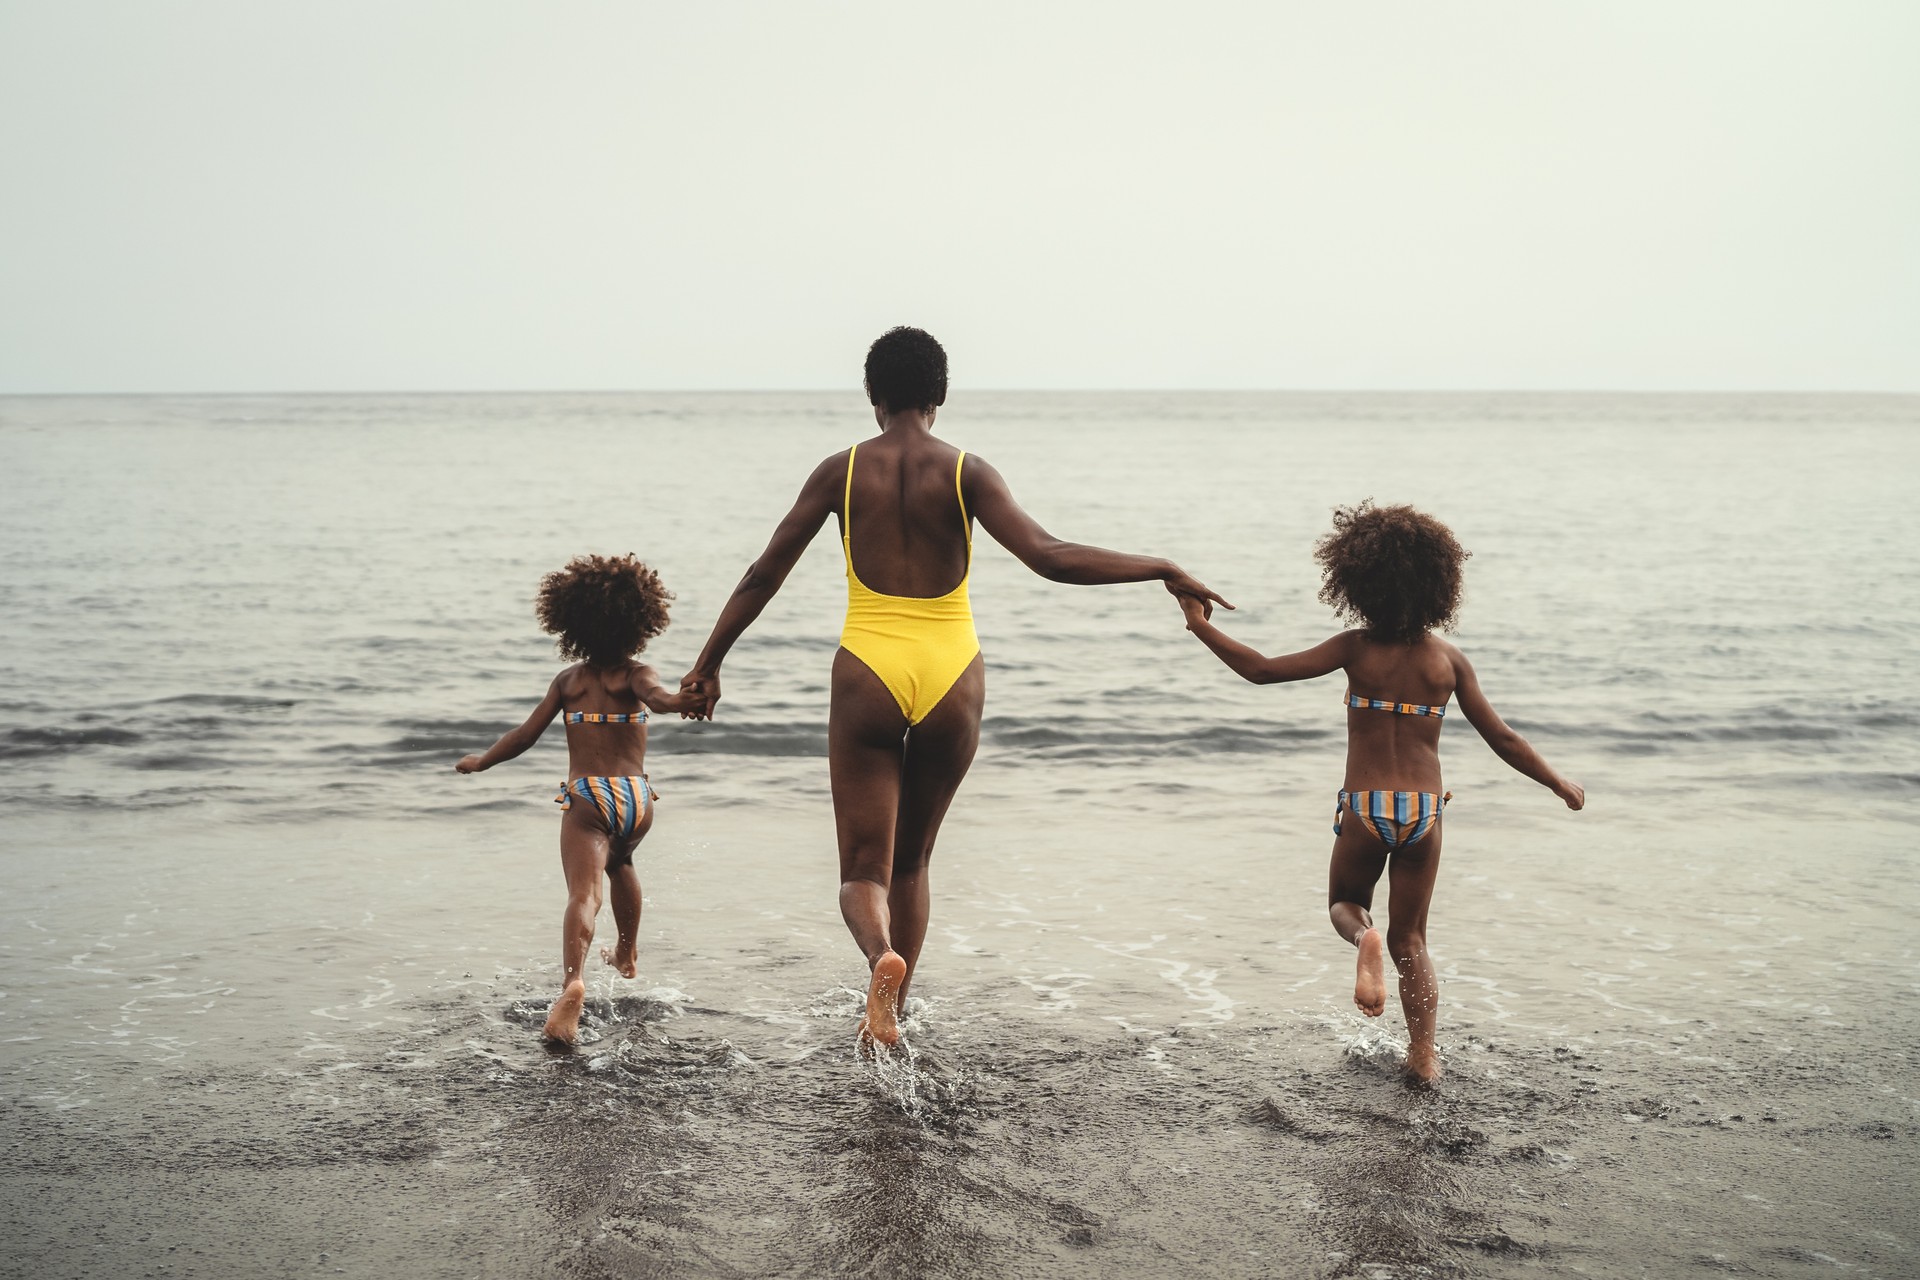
[[908, 684]]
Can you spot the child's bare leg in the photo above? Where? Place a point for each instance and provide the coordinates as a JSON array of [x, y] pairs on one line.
[[583, 857], [1410, 878], [623, 890], [1358, 859]]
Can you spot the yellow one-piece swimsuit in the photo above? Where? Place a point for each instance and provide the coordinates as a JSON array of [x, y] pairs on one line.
[[917, 645]]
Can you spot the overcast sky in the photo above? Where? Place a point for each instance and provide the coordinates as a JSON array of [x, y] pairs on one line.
[[477, 195]]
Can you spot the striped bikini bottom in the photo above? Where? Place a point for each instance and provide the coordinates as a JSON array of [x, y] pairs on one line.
[[1401, 819], [620, 803]]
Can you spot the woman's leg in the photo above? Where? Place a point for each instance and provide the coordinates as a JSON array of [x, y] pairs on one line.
[[583, 857], [623, 890], [1410, 878], [939, 751], [1358, 860], [864, 748]]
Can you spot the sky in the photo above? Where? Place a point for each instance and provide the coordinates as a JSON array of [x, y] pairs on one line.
[[401, 195]]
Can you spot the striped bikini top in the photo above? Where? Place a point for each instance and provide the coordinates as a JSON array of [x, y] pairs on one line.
[[607, 717], [1399, 708]]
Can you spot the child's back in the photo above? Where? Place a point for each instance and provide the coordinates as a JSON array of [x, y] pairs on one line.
[[604, 610], [1399, 751], [606, 719], [1396, 572]]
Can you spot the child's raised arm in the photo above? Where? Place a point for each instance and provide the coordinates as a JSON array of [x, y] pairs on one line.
[[1507, 744], [1328, 655], [647, 687], [515, 741]]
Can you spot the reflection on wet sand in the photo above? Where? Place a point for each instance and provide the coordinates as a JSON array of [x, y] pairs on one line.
[[679, 1139]]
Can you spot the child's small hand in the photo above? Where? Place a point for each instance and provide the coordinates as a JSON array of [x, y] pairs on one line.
[[1194, 608], [1573, 793], [469, 764]]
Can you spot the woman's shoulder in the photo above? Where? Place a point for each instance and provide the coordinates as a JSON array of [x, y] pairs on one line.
[[830, 471]]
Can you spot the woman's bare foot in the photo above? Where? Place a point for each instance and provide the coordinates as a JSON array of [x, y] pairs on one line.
[[622, 958], [1369, 977], [883, 998], [563, 1020], [1423, 1064]]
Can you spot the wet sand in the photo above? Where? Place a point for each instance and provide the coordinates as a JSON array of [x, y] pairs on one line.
[[1074, 1096]]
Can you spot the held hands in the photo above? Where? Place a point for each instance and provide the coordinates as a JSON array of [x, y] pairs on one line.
[[1194, 608], [701, 692], [1185, 587], [468, 764]]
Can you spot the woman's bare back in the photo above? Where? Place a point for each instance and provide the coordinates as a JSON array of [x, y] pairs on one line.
[[909, 537]]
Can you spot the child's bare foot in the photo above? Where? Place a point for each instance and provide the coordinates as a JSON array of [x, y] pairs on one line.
[[1423, 1064], [563, 1020], [622, 958], [883, 991], [1369, 977]]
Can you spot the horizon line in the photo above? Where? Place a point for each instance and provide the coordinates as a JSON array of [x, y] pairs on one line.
[[858, 391]]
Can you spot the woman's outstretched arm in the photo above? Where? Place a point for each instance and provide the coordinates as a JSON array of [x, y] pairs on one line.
[[993, 505], [764, 577]]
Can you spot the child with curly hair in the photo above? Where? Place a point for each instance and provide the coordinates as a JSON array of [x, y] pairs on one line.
[[603, 609], [1395, 572]]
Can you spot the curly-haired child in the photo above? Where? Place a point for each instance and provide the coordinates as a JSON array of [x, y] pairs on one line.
[[603, 609], [1395, 572]]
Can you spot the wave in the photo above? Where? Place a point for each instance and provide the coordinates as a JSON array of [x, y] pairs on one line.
[[441, 739], [53, 740], [180, 762], [722, 739], [209, 732], [1650, 733], [237, 701]]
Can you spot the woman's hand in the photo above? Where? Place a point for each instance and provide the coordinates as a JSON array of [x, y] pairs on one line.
[[704, 687], [1185, 586], [1573, 793], [468, 764]]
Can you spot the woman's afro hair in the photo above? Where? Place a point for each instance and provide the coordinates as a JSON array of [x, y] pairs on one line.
[[604, 609], [1393, 570], [906, 369]]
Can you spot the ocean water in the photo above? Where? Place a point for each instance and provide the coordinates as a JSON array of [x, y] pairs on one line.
[[271, 975]]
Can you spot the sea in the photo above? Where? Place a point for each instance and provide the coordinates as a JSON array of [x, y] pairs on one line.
[[272, 974]]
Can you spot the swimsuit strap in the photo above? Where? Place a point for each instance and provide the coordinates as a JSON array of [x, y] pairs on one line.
[[1399, 708], [966, 525], [846, 507]]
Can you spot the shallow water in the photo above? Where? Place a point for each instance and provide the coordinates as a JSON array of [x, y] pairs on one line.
[[273, 975]]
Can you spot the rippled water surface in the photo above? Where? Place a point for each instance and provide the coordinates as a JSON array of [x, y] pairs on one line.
[[271, 976]]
